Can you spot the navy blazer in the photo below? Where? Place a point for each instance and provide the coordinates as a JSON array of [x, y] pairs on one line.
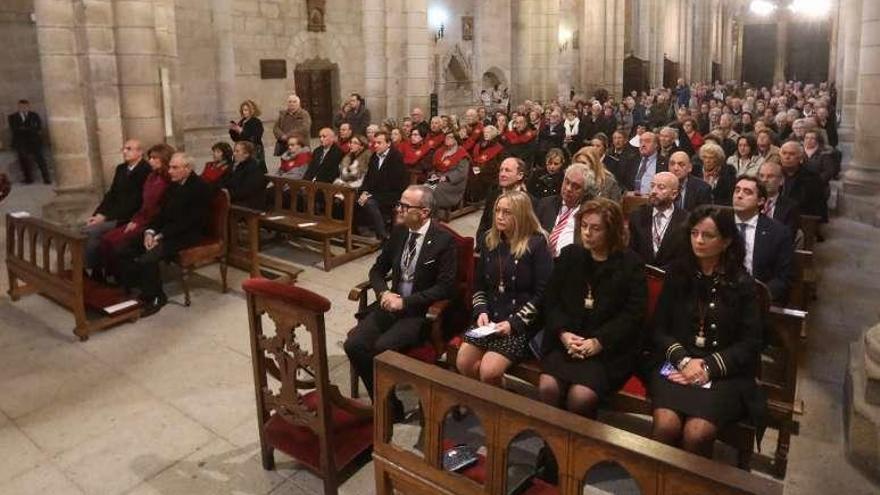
[[696, 192], [772, 257], [641, 222], [324, 168]]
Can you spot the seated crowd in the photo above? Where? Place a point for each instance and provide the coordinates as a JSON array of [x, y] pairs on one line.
[[724, 177]]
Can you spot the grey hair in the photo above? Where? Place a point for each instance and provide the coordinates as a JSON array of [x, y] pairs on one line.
[[188, 160], [673, 130], [579, 168], [427, 196]]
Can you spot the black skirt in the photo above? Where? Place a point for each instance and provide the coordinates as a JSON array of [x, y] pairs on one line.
[[590, 372], [514, 347], [723, 403]]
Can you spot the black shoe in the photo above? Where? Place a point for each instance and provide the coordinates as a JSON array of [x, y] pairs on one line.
[[150, 310], [162, 299]]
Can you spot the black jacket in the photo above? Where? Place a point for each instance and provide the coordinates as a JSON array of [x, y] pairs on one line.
[[388, 183], [25, 134], [252, 130], [246, 184], [125, 195], [620, 297], [732, 346], [641, 223], [183, 218], [629, 169], [772, 258], [805, 188], [786, 212], [722, 193], [324, 168], [542, 184], [696, 192], [547, 209], [435, 273]]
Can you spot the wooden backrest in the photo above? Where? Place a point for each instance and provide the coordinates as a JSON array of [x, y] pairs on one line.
[[810, 226], [631, 202], [295, 355], [782, 347], [312, 194], [577, 443], [218, 227], [41, 252], [460, 315]]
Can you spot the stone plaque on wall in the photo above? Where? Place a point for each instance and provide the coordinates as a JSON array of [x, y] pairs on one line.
[[467, 28], [316, 15], [273, 69]]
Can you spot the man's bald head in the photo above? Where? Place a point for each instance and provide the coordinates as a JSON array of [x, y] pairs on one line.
[[680, 165], [664, 188], [132, 151]]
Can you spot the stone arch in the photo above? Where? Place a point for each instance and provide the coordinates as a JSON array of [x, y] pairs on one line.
[[492, 77]]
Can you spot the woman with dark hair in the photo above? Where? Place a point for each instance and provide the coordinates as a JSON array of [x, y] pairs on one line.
[[746, 125], [547, 180], [117, 240], [450, 172], [594, 305], [692, 133], [215, 170], [746, 160], [708, 328], [415, 151], [354, 164], [512, 273], [249, 128]]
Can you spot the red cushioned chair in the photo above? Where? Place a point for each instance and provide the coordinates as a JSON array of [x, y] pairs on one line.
[[212, 247], [442, 315], [298, 411]]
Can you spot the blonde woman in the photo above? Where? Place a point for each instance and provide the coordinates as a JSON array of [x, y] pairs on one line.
[[249, 127], [605, 183], [511, 275], [718, 174]]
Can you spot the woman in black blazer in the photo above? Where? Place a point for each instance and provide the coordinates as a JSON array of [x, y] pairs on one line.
[[708, 330], [249, 128], [594, 305]]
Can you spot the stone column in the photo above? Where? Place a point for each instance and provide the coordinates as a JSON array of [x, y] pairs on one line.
[[602, 40], [395, 65], [373, 24], [861, 181], [849, 43], [137, 56], [781, 48], [76, 43], [701, 66], [225, 71], [418, 59]]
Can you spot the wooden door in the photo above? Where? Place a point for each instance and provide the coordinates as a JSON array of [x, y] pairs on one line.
[[635, 74], [314, 87]]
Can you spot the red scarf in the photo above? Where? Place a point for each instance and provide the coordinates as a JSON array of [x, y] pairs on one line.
[[443, 165], [514, 137], [475, 134], [413, 154], [345, 145], [435, 141], [485, 152]]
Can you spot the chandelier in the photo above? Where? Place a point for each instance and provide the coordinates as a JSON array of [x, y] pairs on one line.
[[806, 8]]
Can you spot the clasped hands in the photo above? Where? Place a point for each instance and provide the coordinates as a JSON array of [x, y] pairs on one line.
[[579, 347], [501, 327], [391, 302], [693, 373]]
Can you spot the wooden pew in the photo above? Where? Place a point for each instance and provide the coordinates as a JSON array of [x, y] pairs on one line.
[[809, 225], [631, 202], [576, 442], [803, 290], [301, 216], [244, 247], [49, 260]]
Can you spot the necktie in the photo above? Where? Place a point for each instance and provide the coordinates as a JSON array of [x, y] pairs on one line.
[[410, 253], [637, 185], [742, 229], [558, 228], [768, 207], [679, 201], [658, 231]]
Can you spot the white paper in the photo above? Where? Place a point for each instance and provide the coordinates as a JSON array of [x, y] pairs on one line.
[[476, 170], [480, 332], [120, 306], [306, 224], [276, 217], [20, 214]]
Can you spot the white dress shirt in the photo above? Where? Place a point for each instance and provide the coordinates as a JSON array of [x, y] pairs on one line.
[[749, 239], [659, 227], [650, 172]]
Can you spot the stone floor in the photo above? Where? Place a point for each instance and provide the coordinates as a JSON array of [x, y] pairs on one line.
[[166, 406]]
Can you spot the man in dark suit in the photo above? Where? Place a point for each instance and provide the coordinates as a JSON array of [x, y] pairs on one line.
[[638, 171], [655, 227], [768, 243], [667, 139], [422, 259], [180, 223], [27, 142], [557, 213], [777, 206], [325, 159], [246, 182], [802, 186], [383, 184], [692, 191], [120, 202]]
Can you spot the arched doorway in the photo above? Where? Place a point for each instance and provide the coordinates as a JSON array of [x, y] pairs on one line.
[[317, 83]]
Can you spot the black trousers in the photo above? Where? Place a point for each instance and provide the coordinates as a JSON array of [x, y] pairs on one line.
[[28, 154], [378, 332], [141, 269]]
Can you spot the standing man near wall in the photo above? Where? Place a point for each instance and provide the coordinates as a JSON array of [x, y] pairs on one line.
[[292, 121], [26, 140]]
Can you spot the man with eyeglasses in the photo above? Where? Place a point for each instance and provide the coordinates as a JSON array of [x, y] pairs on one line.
[[120, 202], [421, 258]]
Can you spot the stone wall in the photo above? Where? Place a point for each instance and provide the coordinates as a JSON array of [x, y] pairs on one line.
[[19, 58]]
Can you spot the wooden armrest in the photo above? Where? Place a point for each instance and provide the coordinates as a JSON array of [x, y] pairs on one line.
[[436, 309], [355, 293], [243, 209]]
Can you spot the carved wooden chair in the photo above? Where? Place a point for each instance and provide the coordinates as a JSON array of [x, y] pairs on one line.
[[443, 316], [299, 411], [212, 247]]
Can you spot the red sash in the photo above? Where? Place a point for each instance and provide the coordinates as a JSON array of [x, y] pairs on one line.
[[483, 155], [412, 155], [474, 137], [514, 137], [442, 165], [435, 141]]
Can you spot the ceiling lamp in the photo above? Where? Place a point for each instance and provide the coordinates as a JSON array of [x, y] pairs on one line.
[[810, 8], [762, 7]]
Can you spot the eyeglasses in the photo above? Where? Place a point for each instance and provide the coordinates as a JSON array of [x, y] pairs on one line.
[[406, 207]]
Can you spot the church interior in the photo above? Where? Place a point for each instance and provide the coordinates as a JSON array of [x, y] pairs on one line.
[[218, 345]]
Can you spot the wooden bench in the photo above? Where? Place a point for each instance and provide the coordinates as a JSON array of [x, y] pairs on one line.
[[809, 225], [630, 202], [803, 290], [309, 209], [48, 259], [244, 247], [577, 443]]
